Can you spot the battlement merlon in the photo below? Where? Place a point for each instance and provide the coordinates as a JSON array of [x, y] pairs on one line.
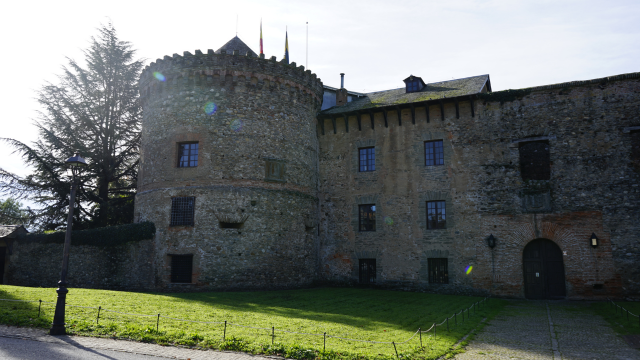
[[209, 64]]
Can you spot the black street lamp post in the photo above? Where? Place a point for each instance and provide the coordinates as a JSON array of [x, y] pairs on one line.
[[57, 328]]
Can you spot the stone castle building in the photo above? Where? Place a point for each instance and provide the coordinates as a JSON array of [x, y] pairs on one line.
[[253, 183], [258, 176]]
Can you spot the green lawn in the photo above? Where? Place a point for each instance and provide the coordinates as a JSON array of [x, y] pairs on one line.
[[363, 314], [618, 319]]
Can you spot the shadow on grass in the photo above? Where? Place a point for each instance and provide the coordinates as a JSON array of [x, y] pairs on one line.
[[354, 307], [16, 312]]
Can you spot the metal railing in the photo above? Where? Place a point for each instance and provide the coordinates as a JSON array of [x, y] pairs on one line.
[[622, 311]]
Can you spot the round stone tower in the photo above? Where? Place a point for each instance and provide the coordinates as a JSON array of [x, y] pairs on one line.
[[229, 169]]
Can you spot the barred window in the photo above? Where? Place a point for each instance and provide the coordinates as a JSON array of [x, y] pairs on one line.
[[438, 270], [436, 215], [535, 160], [187, 154], [367, 271], [181, 268], [367, 217], [182, 209], [434, 153], [367, 159]]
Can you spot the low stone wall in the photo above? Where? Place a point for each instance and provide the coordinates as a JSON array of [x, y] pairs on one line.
[[128, 266]]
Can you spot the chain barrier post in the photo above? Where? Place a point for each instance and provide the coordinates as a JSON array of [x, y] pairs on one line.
[[224, 333], [158, 324], [273, 334], [434, 331], [420, 331], [324, 343], [394, 348], [627, 315], [98, 318], [447, 324], [39, 307]]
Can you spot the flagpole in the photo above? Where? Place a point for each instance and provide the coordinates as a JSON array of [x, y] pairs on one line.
[[306, 60]]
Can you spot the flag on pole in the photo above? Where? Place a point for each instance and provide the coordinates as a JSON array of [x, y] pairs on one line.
[[286, 46], [261, 49]]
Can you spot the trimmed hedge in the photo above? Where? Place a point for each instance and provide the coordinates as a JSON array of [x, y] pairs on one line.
[[105, 236]]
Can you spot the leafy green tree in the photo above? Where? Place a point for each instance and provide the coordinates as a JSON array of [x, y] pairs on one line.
[[12, 213], [93, 109]]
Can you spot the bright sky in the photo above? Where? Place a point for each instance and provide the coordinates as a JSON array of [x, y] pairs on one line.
[[376, 43]]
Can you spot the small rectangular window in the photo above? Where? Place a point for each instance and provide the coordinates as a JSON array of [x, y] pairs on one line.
[[436, 215], [367, 217], [182, 210], [181, 268], [367, 271], [433, 153], [535, 160], [367, 159], [438, 270], [187, 154], [413, 86]]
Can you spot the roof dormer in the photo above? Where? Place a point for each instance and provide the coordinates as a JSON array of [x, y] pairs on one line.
[[414, 83]]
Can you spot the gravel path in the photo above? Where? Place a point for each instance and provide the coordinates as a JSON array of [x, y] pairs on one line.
[[551, 330]]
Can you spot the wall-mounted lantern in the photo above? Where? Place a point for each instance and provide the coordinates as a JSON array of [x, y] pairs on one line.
[[491, 241], [594, 240]]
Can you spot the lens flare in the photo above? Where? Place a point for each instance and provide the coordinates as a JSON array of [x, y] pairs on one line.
[[236, 125], [159, 76], [210, 108], [388, 220], [469, 268]]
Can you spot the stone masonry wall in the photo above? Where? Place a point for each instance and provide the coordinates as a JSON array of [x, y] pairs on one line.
[[127, 266], [244, 112], [593, 189]]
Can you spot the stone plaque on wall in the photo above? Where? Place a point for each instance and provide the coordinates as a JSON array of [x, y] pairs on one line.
[[274, 170], [536, 203]]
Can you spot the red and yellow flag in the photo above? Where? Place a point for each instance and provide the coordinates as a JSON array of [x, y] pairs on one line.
[[286, 47], [261, 49]]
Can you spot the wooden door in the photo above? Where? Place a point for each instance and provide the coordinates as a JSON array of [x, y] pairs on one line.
[[543, 269]]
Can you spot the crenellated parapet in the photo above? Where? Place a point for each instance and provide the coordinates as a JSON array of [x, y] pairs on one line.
[[179, 73]]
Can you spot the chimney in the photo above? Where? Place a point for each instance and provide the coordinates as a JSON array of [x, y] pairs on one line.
[[341, 94]]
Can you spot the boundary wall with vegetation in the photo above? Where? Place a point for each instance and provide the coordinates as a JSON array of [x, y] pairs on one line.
[[116, 257]]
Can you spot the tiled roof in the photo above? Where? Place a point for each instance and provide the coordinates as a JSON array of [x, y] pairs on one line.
[[236, 44], [432, 91], [10, 231]]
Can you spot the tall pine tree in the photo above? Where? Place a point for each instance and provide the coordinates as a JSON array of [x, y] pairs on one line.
[[93, 109]]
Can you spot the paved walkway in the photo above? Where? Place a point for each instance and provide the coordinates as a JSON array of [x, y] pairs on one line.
[[551, 330], [84, 343]]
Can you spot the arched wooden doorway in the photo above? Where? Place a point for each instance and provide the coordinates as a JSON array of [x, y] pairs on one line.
[[543, 270]]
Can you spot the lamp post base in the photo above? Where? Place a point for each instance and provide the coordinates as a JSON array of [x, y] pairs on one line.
[[58, 328]]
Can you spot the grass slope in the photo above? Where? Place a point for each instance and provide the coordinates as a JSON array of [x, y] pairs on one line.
[[618, 320], [363, 314]]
